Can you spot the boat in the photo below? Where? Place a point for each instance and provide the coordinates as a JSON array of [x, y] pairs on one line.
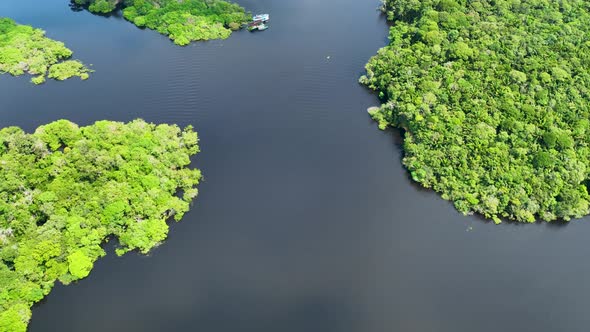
[[259, 27], [261, 17], [255, 23]]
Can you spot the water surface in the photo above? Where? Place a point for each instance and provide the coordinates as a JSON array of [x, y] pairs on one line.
[[307, 220]]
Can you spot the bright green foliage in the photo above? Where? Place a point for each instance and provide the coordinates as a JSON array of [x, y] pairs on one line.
[[103, 6], [64, 190], [79, 264], [24, 49], [494, 98], [99, 6], [187, 20], [183, 21], [68, 69]]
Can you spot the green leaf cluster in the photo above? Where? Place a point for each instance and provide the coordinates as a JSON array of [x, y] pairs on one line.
[[65, 190], [24, 49], [494, 99], [98, 6]]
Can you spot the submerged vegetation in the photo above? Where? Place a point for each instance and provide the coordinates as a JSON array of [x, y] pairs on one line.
[[183, 21], [64, 190], [494, 97], [24, 49]]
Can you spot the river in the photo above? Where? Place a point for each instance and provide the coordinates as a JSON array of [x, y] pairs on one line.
[[306, 220]]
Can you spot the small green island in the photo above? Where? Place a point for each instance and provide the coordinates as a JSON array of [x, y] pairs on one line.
[[66, 190], [494, 101], [24, 49], [183, 21]]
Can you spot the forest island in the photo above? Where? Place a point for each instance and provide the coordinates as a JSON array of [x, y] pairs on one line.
[[494, 100], [24, 49], [183, 21], [65, 190]]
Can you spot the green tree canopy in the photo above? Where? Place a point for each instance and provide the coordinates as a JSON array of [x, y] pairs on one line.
[[24, 49], [64, 190], [494, 99], [183, 21]]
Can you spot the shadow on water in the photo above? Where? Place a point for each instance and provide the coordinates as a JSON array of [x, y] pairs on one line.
[[555, 224], [76, 7]]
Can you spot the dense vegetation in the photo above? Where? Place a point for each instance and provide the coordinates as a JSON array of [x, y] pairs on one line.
[[65, 190], [24, 49], [181, 20], [494, 99], [99, 6]]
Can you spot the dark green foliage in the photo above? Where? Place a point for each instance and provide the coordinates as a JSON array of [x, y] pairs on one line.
[[494, 97], [183, 21], [24, 49], [64, 190]]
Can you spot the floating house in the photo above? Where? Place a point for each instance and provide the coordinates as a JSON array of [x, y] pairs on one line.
[[259, 22], [261, 17]]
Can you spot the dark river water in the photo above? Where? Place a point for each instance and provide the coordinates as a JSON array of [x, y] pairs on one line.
[[306, 220]]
